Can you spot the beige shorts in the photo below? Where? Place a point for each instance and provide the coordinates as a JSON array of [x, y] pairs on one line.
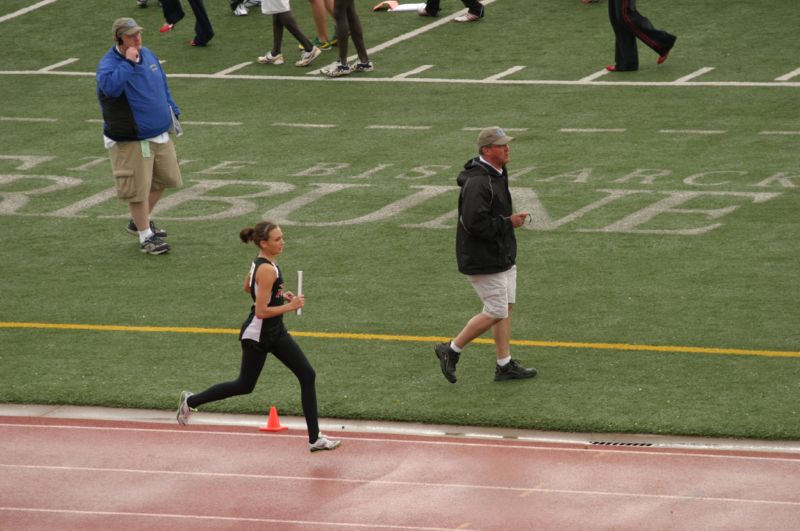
[[136, 174], [272, 7], [496, 291]]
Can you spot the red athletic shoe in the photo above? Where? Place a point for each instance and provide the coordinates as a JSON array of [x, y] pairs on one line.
[[166, 27], [662, 58]]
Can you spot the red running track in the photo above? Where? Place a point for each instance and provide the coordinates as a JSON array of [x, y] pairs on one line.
[[94, 474]]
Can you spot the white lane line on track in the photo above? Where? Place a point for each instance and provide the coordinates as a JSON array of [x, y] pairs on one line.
[[693, 75], [413, 72], [311, 126], [215, 518], [23, 119], [693, 131], [579, 446], [394, 483]]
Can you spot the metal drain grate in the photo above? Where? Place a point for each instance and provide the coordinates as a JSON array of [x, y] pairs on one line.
[[617, 443]]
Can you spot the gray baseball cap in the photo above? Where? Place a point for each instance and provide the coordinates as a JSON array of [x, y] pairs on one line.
[[125, 26], [493, 136]]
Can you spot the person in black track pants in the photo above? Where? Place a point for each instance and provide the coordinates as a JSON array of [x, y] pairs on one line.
[[629, 25]]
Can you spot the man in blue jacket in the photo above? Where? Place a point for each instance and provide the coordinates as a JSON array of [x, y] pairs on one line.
[[486, 251], [138, 114]]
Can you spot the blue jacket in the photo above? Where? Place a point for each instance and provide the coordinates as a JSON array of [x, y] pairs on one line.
[[485, 240], [134, 97]]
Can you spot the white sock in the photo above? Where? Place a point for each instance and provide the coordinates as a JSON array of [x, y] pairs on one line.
[[503, 361], [455, 347], [144, 234]]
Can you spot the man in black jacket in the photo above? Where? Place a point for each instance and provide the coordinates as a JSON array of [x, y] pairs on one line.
[[486, 251]]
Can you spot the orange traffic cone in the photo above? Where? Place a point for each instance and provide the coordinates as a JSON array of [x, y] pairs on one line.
[[273, 422]]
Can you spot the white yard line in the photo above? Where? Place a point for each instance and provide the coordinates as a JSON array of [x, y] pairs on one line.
[[413, 72], [28, 9], [591, 130], [696, 73], [504, 73], [401, 127], [409, 35], [233, 68], [22, 119], [790, 75], [59, 65], [312, 126], [693, 131], [787, 133]]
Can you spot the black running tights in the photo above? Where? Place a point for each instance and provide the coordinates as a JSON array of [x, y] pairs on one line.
[[349, 25], [286, 20], [254, 355]]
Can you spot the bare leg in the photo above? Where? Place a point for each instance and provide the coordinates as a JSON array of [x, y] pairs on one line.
[[318, 9], [475, 328], [502, 335]]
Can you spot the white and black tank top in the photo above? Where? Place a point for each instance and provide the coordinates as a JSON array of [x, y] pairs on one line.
[[262, 329]]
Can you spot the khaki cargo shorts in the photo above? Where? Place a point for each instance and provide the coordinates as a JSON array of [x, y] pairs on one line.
[[496, 291], [140, 166]]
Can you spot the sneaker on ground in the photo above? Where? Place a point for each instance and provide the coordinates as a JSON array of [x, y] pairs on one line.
[[363, 67], [184, 411], [337, 69], [323, 443], [421, 11], [334, 40], [154, 245], [448, 358], [133, 230], [307, 57], [240, 11], [469, 17], [166, 27], [322, 45], [141, 3], [512, 371], [270, 59]]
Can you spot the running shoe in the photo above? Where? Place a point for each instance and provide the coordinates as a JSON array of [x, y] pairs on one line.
[[337, 69], [448, 358], [270, 59], [307, 57], [469, 17], [166, 27], [141, 3], [154, 245], [322, 45], [184, 411], [512, 371], [363, 67], [133, 230], [240, 11], [323, 443]]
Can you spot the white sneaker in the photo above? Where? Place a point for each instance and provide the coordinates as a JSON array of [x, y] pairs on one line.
[[323, 443], [270, 59], [184, 411], [307, 57], [363, 67], [469, 17], [337, 69], [251, 3], [240, 11]]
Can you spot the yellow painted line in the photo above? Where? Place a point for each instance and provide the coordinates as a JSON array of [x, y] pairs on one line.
[[417, 339]]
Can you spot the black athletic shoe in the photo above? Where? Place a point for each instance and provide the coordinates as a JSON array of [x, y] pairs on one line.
[[512, 371], [447, 360], [154, 245], [158, 232]]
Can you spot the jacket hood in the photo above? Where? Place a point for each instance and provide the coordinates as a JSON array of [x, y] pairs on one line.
[[474, 167]]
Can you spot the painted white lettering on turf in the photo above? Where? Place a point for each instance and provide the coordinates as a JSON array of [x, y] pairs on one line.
[[648, 176], [93, 161], [322, 169], [693, 179], [237, 205], [779, 179], [226, 167], [526, 199], [668, 205], [10, 202], [27, 162], [421, 172]]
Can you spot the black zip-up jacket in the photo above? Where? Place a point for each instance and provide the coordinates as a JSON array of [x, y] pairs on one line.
[[485, 240]]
